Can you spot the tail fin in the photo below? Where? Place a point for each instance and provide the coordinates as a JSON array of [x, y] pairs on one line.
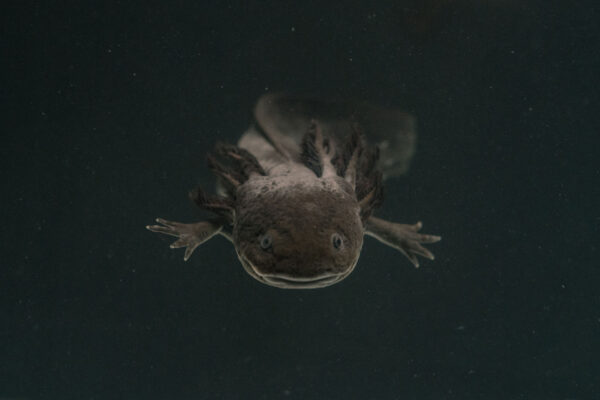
[[285, 119], [394, 132]]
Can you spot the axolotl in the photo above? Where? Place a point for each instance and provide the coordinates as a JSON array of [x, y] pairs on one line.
[[297, 195]]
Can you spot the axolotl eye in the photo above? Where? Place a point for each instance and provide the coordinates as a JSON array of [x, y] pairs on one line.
[[336, 241], [266, 241]]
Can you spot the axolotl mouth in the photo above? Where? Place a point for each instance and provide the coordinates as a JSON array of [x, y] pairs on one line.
[[287, 281]]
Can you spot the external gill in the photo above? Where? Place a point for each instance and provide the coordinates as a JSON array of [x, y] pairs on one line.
[[222, 206], [356, 162], [316, 151], [242, 164]]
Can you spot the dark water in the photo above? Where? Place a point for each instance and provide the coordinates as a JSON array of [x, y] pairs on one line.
[[108, 111]]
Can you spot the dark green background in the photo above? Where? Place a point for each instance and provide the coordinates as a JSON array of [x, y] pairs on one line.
[[108, 110]]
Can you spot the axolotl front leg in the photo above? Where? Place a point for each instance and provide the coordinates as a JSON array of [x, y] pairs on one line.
[[190, 235], [405, 238], [244, 165]]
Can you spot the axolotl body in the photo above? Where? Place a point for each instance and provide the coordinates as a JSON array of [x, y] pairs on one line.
[[297, 194]]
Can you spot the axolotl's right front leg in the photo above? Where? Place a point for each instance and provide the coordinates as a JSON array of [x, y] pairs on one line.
[[190, 235]]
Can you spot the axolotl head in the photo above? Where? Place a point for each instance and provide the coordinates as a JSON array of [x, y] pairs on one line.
[[299, 225], [299, 235]]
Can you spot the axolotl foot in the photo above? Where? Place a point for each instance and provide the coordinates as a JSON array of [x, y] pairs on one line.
[[190, 235], [403, 237]]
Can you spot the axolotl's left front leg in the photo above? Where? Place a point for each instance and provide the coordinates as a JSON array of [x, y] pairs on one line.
[[405, 238], [190, 235]]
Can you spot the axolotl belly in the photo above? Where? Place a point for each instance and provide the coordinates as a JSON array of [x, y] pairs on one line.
[[297, 195]]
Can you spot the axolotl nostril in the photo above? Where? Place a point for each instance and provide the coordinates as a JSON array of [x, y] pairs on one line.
[[297, 194]]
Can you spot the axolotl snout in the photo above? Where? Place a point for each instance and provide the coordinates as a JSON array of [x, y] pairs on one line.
[[297, 193]]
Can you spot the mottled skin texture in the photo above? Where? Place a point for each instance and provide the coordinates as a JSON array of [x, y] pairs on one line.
[[296, 196], [301, 222]]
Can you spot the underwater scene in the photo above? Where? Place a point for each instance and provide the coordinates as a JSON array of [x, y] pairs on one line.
[[284, 200]]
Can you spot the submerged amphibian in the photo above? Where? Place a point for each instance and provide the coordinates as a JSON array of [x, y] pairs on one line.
[[297, 193]]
